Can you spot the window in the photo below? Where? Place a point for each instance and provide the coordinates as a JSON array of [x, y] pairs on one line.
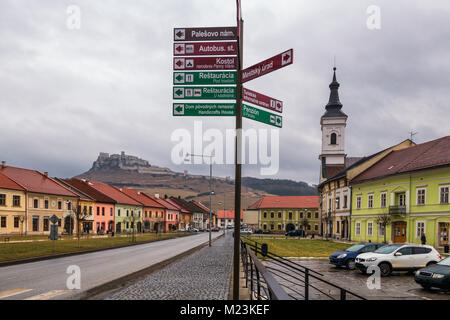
[[316, 227], [309, 215], [69, 205], [36, 203], [59, 205], [406, 251], [16, 222], [401, 199], [338, 203], [301, 215], [46, 203], [272, 227], [333, 138], [110, 211], [309, 227], [279, 215], [344, 205], [3, 222], [420, 227], [118, 212], [358, 228], [444, 194], [127, 215], [98, 211], [290, 215], [421, 250], [90, 211], [383, 198], [381, 229], [279, 227], [2, 199], [265, 214], [358, 202], [370, 201], [316, 215], [149, 214], [103, 211], [46, 223], [370, 228], [271, 215], [337, 226], [420, 196], [264, 227], [16, 201]]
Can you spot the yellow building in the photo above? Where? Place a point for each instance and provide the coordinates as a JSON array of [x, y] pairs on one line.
[[44, 197], [12, 206]]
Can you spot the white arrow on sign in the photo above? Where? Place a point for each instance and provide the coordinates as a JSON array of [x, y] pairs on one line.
[[178, 109], [180, 34]]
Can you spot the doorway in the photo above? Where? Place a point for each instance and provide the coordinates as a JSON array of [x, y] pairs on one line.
[[443, 233], [399, 229], [290, 227]]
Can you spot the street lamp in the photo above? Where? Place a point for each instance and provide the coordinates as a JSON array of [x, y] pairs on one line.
[[224, 220], [70, 216], [210, 187]]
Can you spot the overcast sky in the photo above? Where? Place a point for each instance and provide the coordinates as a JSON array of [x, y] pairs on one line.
[[66, 95]]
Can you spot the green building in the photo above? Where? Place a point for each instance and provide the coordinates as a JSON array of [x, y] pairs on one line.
[[404, 195], [280, 214]]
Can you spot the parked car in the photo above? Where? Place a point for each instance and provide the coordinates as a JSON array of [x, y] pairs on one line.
[[258, 231], [230, 226], [399, 257], [347, 257], [437, 275], [193, 230], [295, 233], [246, 231], [215, 229]]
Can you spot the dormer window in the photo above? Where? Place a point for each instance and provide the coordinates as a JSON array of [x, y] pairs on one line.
[[333, 138]]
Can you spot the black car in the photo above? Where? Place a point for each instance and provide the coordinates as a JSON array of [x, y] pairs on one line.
[[437, 275], [295, 233]]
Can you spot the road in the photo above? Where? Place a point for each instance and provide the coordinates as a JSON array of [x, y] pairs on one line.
[[47, 279]]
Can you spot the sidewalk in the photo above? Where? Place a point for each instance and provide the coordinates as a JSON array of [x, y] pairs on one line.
[[203, 275]]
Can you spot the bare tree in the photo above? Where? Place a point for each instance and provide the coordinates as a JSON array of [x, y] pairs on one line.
[[304, 223], [384, 220], [81, 216]]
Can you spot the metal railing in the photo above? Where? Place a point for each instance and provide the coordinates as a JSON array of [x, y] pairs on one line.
[[282, 279], [397, 209]]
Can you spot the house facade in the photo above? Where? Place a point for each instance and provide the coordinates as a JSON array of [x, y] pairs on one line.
[[404, 195], [44, 198], [186, 215], [225, 218], [12, 206], [280, 214], [170, 214]]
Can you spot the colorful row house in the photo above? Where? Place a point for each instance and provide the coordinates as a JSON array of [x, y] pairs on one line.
[[405, 195], [12, 206], [41, 197], [280, 214]]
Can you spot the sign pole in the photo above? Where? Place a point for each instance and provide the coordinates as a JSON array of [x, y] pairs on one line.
[[238, 166]]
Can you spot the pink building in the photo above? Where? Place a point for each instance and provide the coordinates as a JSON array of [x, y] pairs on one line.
[[171, 214]]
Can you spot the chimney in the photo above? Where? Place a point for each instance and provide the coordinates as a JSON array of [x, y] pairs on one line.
[[165, 196], [3, 164], [46, 173], [157, 195]]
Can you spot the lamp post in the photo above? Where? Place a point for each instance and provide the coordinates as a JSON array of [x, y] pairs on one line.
[[210, 187], [70, 216], [224, 220]]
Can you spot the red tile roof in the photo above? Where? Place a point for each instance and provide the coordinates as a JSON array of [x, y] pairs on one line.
[[180, 207], [164, 203], [201, 206], [7, 183], [84, 186], [227, 214], [113, 193], [255, 205], [34, 181], [83, 196], [426, 155], [140, 197], [288, 202]]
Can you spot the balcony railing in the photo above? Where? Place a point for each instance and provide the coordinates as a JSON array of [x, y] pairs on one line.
[[397, 209]]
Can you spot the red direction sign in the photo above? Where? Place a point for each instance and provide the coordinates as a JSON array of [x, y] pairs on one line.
[[267, 66], [204, 48], [205, 34], [262, 100], [205, 63]]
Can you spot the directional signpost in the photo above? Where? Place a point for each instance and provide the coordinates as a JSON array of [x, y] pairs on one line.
[[204, 109], [204, 93], [279, 61], [205, 61], [54, 230], [204, 48], [262, 100], [259, 115], [204, 77]]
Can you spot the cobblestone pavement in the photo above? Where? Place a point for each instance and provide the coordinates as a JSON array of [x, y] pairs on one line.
[[400, 285], [203, 275]]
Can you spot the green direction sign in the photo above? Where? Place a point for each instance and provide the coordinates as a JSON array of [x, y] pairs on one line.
[[204, 109], [207, 93], [262, 116], [206, 77]]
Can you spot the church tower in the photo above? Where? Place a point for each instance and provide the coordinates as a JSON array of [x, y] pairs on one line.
[[333, 122]]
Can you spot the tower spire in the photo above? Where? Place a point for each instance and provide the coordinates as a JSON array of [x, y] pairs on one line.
[[334, 105]]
